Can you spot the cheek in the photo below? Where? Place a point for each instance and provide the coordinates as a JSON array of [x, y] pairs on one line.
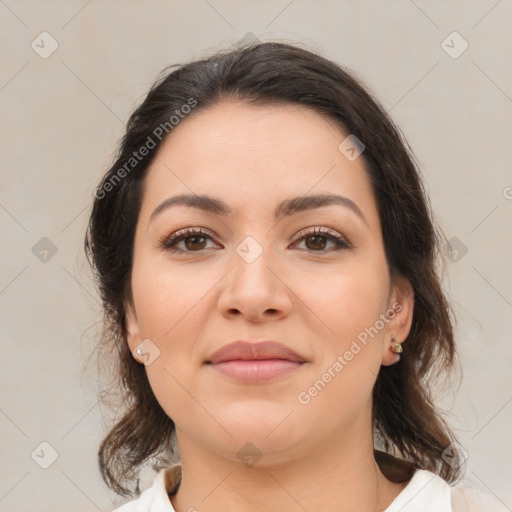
[[171, 305], [167, 297], [168, 388], [349, 303], [348, 300], [349, 357]]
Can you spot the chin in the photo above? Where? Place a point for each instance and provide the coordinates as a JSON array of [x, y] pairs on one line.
[[263, 423]]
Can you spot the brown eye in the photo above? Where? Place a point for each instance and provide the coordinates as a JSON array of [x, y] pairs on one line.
[[321, 240], [186, 241], [316, 243], [194, 243]]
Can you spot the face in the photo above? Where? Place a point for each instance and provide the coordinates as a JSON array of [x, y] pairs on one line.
[[261, 259]]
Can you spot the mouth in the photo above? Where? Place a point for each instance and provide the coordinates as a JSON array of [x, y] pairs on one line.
[[255, 362], [253, 371]]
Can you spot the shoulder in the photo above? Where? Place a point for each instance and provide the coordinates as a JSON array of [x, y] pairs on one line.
[[156, 498], [428, 492], [468, 498]]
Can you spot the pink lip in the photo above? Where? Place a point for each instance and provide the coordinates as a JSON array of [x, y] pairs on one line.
[[255, 362]]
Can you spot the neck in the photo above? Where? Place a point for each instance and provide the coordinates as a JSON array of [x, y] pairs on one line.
[[342, 476]]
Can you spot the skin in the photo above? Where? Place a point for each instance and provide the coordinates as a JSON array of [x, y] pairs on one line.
[[316, 456]]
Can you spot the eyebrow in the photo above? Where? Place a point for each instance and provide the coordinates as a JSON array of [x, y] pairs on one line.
[[284, 208]]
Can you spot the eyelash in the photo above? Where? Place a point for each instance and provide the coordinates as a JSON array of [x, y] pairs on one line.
[[168, 243]]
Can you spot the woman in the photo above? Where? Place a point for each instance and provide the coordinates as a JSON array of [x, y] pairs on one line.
[[267, 262]]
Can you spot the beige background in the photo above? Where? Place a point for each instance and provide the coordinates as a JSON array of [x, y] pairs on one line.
[[62, 117]]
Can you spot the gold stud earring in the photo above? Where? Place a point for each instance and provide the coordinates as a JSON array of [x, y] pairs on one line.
[[396, 347]]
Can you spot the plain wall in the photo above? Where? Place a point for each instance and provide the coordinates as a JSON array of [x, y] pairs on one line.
[[61, 118]]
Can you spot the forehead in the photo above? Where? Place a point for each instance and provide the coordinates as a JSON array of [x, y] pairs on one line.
[[229, 131], [254, 155]]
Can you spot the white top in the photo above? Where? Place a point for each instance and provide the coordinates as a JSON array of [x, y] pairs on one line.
[[426, 492]]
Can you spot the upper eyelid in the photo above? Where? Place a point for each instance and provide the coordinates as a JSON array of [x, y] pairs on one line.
[[323, 230]]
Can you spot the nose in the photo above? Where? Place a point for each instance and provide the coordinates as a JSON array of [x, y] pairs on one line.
[[255, 290]]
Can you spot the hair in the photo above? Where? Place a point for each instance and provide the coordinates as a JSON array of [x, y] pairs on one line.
[[405, 418]]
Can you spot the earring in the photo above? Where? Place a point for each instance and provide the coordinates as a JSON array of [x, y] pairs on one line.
[[396, 347], [138, 353]]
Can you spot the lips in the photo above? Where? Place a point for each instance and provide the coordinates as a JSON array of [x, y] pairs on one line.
[[245, 351], [254, 363]]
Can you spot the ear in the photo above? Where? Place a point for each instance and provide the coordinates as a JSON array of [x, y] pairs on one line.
[[132, 328], [400, 314]]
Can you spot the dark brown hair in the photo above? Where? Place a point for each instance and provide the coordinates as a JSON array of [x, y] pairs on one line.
[[405, 418]]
